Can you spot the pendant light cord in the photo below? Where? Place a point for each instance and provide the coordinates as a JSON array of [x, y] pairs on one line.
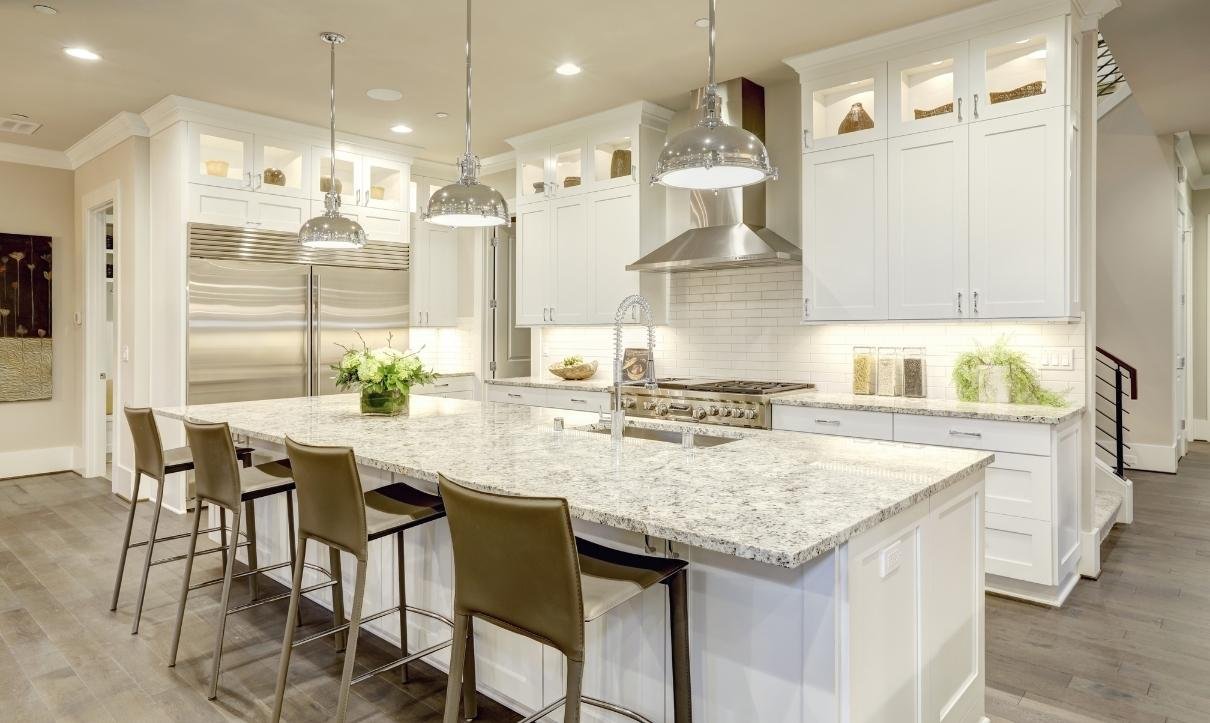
[[332, 117], [710, 64], [468, 78]]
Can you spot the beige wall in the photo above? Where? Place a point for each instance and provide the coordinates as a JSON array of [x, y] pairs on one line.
[[128, 164], [38, 200], [1136, 219], [1199, 349]]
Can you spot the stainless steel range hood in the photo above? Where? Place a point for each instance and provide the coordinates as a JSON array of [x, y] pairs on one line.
[[727, 227]]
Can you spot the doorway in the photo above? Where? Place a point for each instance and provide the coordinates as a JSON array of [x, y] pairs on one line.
[[101, 321], [507, 346], [1184, 324]]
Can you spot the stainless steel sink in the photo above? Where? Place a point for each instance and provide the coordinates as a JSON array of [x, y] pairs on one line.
[[672, 436]]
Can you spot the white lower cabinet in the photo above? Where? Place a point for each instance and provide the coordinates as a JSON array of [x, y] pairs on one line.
[[1031, 516], [460, 387], [572, 399]]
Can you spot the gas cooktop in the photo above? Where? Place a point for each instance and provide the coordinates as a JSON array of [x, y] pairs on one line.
[[730, 402]]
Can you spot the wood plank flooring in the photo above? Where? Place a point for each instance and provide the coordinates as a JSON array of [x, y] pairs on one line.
[[1133, 645]]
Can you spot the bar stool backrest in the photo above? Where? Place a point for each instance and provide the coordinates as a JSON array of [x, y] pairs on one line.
[[515, 563], [217, 471], [148, 449], [331, 504]]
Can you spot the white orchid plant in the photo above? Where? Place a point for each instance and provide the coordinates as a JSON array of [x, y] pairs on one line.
[[380, 370]]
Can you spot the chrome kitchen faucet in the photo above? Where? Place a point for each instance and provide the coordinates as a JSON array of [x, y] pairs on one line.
[[617, 418]]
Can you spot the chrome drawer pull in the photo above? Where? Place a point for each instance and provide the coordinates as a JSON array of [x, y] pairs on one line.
[[514, 396], [973, 435], [441, 385], [828, 421], [578, 401]]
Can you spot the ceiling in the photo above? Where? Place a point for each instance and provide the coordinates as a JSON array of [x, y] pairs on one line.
[[1163, 48], [265, 56]]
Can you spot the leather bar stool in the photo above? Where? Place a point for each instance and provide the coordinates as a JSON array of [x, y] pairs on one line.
[[152, 460], [518, 565], [221, 482], [334, 511]]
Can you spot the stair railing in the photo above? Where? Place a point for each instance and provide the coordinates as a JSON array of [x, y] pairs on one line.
[[1113, 373]]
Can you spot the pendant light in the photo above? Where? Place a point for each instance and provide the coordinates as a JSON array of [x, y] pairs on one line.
[[466, 202], [330, 230], [713, 154]]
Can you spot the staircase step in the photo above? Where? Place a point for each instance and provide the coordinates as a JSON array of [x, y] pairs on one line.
[[1105, 512]]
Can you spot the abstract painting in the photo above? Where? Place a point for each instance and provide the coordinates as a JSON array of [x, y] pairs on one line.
[[26, 346]]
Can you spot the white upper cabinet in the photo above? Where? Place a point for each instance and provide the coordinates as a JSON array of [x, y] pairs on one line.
[[282, 167], [534, 265], [363, 180], [220, 157], [434, 275], [927, 203], [348, 174], [240, 207], [1019, 70], [928, 90], [567, 286], [844, 109], [613, 242], [612, 159], [1019, 262], [845, 233]]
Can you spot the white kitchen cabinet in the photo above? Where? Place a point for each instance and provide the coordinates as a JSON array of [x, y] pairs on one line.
[[379, 224], [613, 242], [366, 181], [567, 285], [928, 90], [534, 264], [572, 399], [220, 157], [449, 387], [1019, 256], [434, 276], [241, 207], [281, 167], [928, 229], [844, 212], [348, 174], [840, 422], [828, 104], [1032, 57]]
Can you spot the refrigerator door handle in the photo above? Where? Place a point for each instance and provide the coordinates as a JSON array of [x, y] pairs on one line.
[[313, 352]]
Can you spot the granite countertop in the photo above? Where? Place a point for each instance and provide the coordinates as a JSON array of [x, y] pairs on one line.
[[598, 383], [934, 407], [780, 498]]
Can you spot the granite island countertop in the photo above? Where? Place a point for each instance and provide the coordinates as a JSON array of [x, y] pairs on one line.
[[1035, 413], [781, 498], [599, 383]]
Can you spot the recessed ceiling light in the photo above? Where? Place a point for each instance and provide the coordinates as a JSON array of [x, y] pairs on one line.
[[441, 114], [45, 10], [568, 69], [401, 128], [81, 53], [702, 22], [384, 94]]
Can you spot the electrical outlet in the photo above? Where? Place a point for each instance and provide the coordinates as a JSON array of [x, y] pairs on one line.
[[1062, 357], [890, 559]]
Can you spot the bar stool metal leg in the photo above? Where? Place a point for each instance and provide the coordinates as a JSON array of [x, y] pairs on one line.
[[287, 646], [401, 573], [338, 596], [346, 680], [250, 527], [575, 684], [180, 608], [224, 606], [155, 525], [678, 610], [222, 533], [470, 701], [457, 663], [134, 503], [290, 544]]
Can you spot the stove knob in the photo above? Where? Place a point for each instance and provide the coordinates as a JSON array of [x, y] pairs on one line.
[[661, 409], [699, 413], [649, 406], [729, 412], [713, 411], [627, 403], [750, 414]]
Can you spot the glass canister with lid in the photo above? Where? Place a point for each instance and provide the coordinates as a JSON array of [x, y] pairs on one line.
[[890, 372], [863, 370], [914, 375]]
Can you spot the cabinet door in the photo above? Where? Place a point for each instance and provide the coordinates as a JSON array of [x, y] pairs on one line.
[[442, 262], [614, 160], [845, 109], [382, 224], [418, 274], [222, 206], [283, 167], [845, 233], [569, 250], [348, 173], [220, 157], [928, 201], [533, 176], [568, 166], [533, 264], [385, 184], [1017, 249], [925, 91], [1019, 70], [613, 242], [281, 213]]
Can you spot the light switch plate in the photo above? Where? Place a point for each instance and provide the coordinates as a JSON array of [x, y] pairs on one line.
[[1059, 357], [890, 559]]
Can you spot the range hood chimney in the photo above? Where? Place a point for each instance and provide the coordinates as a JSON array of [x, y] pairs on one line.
[[727, 226]]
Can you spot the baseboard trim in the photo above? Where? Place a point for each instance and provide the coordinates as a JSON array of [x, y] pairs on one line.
[[1050, 595], [25, 462], [1152, 457], [1199, 429]]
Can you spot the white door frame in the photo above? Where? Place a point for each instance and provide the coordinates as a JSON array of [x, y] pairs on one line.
[[93, 321], [1183, 326]]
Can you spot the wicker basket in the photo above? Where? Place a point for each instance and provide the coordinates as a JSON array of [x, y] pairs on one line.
[[1037, 87], [575, 373], [939, 110]]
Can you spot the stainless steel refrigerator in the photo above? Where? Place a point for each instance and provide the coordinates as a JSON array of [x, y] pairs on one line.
[[266, 317]]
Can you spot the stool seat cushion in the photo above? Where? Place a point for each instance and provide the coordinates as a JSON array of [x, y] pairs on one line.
[[610, 577], [264, 479], [397, 507]]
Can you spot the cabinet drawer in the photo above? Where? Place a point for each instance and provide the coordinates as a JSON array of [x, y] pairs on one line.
[[992, 435], [842, 422], [446, 386], [574, 399], [531, 396], [1020, 485], [1019, 548]]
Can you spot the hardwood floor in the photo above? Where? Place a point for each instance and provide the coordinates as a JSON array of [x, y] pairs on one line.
[[1133, 645]]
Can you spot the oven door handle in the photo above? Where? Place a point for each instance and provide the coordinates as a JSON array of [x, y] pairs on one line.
[[679, 406]]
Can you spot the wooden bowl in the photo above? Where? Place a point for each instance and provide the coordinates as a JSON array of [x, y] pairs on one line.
[[578, 372]]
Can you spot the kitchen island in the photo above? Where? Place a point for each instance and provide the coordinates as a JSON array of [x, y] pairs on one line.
[[830, 578]]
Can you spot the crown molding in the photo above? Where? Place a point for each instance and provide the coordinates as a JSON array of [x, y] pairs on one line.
[[498, 163], [641, 112], [31, 156], [1091, 11], [174, 109], [434, 169], [1187, 155], [112, 132]]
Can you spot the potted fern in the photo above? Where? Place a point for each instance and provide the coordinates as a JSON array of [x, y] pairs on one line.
[[385, 377], [998, 373]]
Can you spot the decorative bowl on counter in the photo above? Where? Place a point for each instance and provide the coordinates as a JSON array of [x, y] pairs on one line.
[[217, 168], [577, 372]]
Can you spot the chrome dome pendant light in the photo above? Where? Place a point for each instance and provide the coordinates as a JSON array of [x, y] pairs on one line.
[[466, 202], [713, 154], [331, 230]]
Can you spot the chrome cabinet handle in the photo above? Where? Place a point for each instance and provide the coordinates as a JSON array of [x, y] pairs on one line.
[[438, 386], [959, 302], [806, 308], [975, 302], [959, 109], [976, 105], [972, 435], [806, 139], [544, 312], [514, 396], [578, 401], [428, 318], [634, 172], [835, 422], [552, 313]]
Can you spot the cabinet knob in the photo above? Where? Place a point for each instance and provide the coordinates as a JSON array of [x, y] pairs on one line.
[[959, 303], [976, 105], [959, 109]]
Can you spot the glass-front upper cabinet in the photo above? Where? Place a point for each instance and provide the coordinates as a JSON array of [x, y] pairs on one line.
[[533, 181], [567, 163], [845, 109], [282, 167], [1019, 70], [928, 90], [348, 174], [385, 184], [613, 159], [220, 157]]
